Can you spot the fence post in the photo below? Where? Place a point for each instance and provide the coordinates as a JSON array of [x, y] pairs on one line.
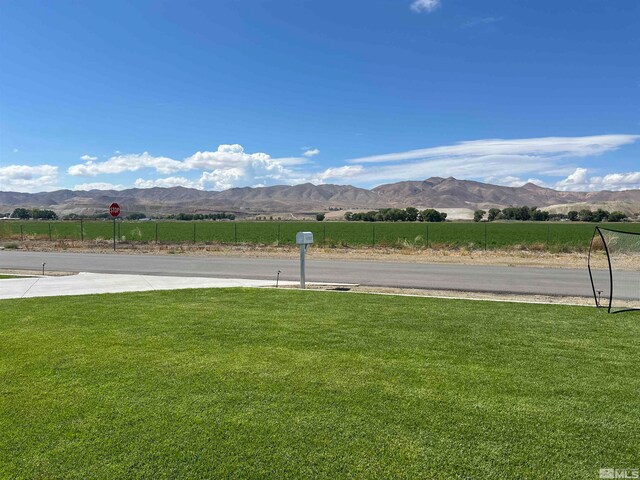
[[21, 234], [548, 241], [156, 232], [427, 223], [81, 231], [50, 238], [485, 237]]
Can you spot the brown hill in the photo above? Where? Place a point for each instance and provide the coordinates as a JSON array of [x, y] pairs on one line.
[[434, 192], [450, 192]]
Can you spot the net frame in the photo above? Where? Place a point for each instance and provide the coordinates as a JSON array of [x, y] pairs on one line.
[[597, 233]]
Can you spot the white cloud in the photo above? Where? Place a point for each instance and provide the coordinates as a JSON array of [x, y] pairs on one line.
[[98, 186], [617, 181], [88, 158], [226, 167], [424, 5], [26, 178], [224, 157], [231, 166], [291, 161], [579, 180], [311, 152], [125, 163], [222, 178]]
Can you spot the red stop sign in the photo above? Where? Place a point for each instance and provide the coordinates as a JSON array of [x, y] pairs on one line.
[[114, 209]]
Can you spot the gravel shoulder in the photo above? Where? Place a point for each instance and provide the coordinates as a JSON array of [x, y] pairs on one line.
[[502, 297]]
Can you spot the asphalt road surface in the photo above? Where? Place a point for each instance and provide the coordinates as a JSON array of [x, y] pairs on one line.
[[475, 278]]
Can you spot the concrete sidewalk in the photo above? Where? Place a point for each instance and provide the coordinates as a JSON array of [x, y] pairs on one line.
[[91, 283]]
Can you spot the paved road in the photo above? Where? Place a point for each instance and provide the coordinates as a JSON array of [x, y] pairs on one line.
[[523, 280]]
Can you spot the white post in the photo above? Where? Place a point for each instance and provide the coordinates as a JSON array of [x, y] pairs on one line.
[[303, 250], [304, 239]]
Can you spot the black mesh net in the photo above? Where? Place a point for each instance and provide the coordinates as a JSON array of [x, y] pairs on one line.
[[614, 268]]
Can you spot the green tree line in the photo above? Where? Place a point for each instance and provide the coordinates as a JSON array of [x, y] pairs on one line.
[[35, 213], [526, 213], [409, 214], [203, 216]]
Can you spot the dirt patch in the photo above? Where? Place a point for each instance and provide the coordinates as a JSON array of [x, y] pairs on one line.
[[507, 257], [30, 273]]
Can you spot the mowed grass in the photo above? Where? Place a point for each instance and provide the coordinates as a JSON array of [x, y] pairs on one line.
[[242, 383], [541, 235]]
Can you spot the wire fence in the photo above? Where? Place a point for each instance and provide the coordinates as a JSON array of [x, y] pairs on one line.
[[543, 235]]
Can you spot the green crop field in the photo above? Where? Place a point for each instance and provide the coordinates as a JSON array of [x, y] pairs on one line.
[[551, 235], [241, 383]]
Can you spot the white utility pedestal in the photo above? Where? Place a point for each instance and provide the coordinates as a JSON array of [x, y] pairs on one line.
[[304, 239]]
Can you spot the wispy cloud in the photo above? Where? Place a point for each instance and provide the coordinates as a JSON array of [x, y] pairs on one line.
[[557, 146], [311, 152], [480, 160], [88, 158], [98, 186], [346, 172], [474, 22], [420, 6], [167, 182]]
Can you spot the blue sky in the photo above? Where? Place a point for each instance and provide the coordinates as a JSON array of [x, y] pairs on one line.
[[220, 94]]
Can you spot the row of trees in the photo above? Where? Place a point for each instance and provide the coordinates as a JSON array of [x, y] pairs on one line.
[[94, 216], [203, 216], [35, 213], [100, 216], [408, 214], [532, 213], [141, 215], [599, 215], [512, 213]]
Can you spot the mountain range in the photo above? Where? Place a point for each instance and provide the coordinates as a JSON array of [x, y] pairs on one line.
[[435, 192]]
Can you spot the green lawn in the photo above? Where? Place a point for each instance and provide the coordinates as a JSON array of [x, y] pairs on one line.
[[550, 235], [287, 384]]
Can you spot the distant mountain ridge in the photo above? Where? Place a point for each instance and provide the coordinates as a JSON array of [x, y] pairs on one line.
[[435, 192]]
